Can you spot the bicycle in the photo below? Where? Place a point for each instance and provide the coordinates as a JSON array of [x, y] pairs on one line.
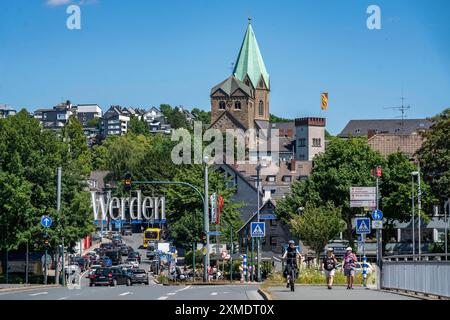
[[291, 276]]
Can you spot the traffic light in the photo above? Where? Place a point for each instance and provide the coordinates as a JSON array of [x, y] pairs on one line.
[[203, 237], [127, 182]]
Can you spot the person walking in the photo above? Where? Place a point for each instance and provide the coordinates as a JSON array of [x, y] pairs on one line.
[[349, 265], [329, 266]]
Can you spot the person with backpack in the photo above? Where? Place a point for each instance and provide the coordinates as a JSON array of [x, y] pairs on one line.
[[329, 266]]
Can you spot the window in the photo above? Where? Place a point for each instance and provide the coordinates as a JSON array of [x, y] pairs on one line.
[[237, 105], [261, 108], [358, 131], [316, 142], [273, 222], [271, 178], [302, 142], [287, 178], [222, 105]]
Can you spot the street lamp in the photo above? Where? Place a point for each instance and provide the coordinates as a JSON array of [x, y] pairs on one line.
[[258, 251], [419, 204], [206, 221], [413, 217]]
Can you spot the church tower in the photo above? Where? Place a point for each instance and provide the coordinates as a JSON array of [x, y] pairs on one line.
[[242, 100]]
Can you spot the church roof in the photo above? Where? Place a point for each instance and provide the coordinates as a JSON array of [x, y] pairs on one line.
[[230, 85], [250, 61]]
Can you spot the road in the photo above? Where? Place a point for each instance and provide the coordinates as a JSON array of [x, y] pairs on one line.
[[152, 291]]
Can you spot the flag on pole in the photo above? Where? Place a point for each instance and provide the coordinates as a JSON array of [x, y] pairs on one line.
[[219, 209], [324, 100]]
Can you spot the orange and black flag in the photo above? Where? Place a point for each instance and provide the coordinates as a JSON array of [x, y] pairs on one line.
[[324, 100]]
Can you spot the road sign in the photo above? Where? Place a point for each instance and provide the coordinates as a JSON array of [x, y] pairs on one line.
[[377, 215], [267, 217], [214, 233], [204, 251], [362, 225], [377, 224], [258, 229], [363, 204], [46, 221]]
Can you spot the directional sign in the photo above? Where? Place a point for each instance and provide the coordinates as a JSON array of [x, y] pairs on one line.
[[377, 215], [362, 225], [214, 233], [267, 217], [363, 204], [362, 193], [46, 221], [377, 224], [204, 251], [258, 229]]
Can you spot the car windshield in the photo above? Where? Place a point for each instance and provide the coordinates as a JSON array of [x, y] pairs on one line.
[[103, 271]]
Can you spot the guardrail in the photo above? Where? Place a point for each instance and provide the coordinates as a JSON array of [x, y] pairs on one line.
[[427, 274]]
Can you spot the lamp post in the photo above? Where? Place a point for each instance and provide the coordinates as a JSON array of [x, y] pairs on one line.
[[413, 217], [417, 173], [258, 240], [206, 222]]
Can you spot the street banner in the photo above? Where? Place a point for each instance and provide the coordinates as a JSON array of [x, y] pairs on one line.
[[219, 209], [213, 200], [324, 100]]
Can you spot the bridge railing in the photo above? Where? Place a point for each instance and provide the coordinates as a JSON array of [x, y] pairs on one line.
[[427, 274]]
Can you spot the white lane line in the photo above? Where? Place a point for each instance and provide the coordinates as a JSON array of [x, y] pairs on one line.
[[162, 298], [179, 290], [125, 293], [214, 293], [63, 298], [39, 293], [171, 294]]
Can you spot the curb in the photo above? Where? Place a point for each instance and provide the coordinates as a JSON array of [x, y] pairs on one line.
[[264, 294], [30, 288]]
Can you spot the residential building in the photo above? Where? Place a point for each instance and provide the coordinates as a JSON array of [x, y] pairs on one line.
[[88, 112], [6, 111], [115, 121], [56, 117], [156, 121]]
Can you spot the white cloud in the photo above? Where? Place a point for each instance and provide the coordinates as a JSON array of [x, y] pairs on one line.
[[55, 3]]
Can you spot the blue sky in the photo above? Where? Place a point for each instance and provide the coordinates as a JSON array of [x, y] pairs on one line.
[[144, 53]]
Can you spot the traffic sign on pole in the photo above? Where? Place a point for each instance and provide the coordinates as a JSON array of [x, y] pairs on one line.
[[46, 221], [362, 225], [377, 215], [258, 229], [377, 224]]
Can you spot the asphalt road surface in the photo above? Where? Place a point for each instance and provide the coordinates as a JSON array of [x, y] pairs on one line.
[[152, 291]]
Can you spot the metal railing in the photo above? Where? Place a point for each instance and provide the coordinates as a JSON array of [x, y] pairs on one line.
[[427, 274]]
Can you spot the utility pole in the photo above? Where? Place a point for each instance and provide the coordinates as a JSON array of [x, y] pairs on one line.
[[419, 203], [206, 223], [413, 218], [62, 262], [378, 232], [58, 208]]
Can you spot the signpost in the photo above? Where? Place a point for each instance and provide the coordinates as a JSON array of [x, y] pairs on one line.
[[377, 215], [46, 222], [267, 217], [362, 225], [377, 224], [362, 197], [258, 229]]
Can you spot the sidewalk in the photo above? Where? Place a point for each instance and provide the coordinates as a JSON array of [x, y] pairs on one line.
[[23, 287]]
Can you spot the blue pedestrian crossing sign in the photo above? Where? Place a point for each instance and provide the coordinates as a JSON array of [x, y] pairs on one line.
[[362, 225], [46, 221], [377, 215], [258, 229]]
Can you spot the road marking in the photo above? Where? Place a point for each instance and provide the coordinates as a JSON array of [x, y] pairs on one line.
[[171, 293], [63, 298], [179, 290], [125, 293], [214, 293], [162, 298], [39, 293]]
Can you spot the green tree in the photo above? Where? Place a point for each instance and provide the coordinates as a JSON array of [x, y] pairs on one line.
[[317, 225], [274, 118], [201, 115], [137, 126], [434, 155], [94, 122]]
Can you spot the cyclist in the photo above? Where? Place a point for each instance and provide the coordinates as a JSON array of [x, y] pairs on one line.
[[291, 255]]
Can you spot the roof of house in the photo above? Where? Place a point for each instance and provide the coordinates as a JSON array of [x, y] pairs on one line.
[[256, 212], [358, 128], [233, 119], [250, 61], [230, 85]]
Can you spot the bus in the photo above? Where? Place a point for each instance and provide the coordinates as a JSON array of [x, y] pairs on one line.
[[151, 235]]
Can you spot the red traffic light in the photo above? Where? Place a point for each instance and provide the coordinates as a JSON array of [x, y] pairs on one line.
[[378, 171]]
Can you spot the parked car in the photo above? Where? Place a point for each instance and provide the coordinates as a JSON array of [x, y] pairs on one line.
[[139, 276], [133, 261], [110, 276]]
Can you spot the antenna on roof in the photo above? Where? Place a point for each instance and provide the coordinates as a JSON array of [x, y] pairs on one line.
[[402, 109]]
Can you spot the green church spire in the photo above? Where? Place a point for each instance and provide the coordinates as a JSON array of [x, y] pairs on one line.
[[250, 61]]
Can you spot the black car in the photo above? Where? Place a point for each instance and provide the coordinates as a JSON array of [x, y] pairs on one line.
[[115, 255], [139, 276], [127, 232], [106, 246], [123, 250], [110, 277]]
